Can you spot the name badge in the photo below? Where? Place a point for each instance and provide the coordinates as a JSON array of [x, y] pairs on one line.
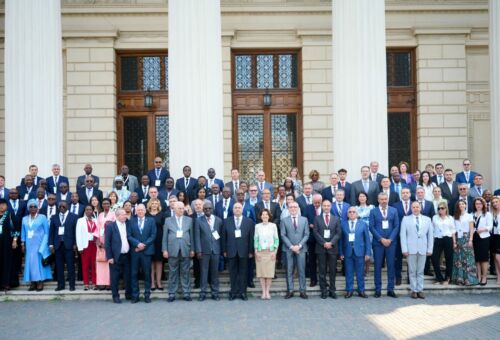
[[216, 235], [179, 234], [326, 233], [91, 237], [26, 197], [237, 233], [385, 224], [157, 183], [55, 190], [1, 230], [144, 200], [460, 234], [61, 231], [30, 233], [351, 237]]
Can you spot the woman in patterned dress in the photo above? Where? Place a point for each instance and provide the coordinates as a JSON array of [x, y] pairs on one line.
[[464, 267]]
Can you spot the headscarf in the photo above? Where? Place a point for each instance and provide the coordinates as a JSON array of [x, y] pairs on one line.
[[32, 202]]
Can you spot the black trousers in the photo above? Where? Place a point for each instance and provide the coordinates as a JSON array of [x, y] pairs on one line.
[[238, 270], [15, 268], [251, 270], [140, 260], [442, 244], [122, 266], [5, 260], [65, 256], [196, 271], [327, 259], [311, 267]]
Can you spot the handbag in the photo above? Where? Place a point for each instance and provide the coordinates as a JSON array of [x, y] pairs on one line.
[[48, 260], [101, 255]]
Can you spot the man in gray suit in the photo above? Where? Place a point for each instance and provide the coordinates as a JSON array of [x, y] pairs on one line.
[[417, 241], [129, 181], [178, 247], [371, 188], [207, 241], [294, 235]]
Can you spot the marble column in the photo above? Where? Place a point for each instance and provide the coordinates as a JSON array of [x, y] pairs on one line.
[[359, 85], [195, 86], [494, 50], [33, 87]]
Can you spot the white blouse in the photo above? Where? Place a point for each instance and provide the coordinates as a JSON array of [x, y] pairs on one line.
[[443, 227], [428, 191], [485, 221], [462, 225], [496, 220]]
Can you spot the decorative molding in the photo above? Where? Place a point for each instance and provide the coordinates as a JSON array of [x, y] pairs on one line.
[[441, 31], [89, 34]]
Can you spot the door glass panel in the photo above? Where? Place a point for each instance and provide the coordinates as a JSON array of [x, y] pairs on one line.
[[284, 146], [151, 73], [265, 71], [162, 145], [398, 124], [135, 144], [250, 145]]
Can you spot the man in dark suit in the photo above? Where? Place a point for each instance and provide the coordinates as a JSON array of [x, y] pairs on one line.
[[234, 184], [311, 212], [27, 190], [4, 192], [33, 172], [41, 201], [427, 206], [463, 194], [397, 184], [305, 199], [224, 208], [328, 193], [466, 176], [117, 253], [216, 195], [212, 180], [85, 193], [403, 209], [327, 232], [168, 190], [18, 209], [438, 178], [237, 244], [371, 188], [207, 240], [478, 188], [384, 226], [273, 207], [178, 248], [449, 188], [63, 193], [75, 207], [375, 176], [143, 189], [82, 180], [51, 208], [355, 250], [62, 242], [263, 184], [187, 183], [344, 184], [339, 207], [393, 190], [54, 181], [141, 234], [158, 175]]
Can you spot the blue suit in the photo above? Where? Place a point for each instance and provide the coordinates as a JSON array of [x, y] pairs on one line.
[[63, 245], [164, 174], [4, 193], [219, 208], [460, 178], [217, 181], [249, 211], [51, 185], [380, 252], [497, 192], [141, 258], [59, 198], [180, 185], [266, 185], [26, 194], [354, 253], [347, 189], [335, 210]]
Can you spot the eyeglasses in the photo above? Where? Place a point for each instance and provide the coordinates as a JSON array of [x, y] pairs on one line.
[[466, 163], [252, 190], [462, 189], [351, 212], [157, 161]]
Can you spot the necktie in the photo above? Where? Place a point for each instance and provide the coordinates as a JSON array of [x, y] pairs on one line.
[[340, 209], [365, 186], [73, 209], [384, 213], [210, 223], [55, 180], [14, 206], [467, 177], [145, 190], [40, 203], [225, 204], [186, 182], [89, 194], [295, 222], [261, 186], [418, 224], [61, 218], [267, 205], [406, 207], [327, 219], [158, 171], [351, 229], [308, 199], [51, 211], [440, 179], [141, 225], [236, 185], [238, 223], [479, 190]]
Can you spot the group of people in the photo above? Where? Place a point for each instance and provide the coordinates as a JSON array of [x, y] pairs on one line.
[[207, 225]]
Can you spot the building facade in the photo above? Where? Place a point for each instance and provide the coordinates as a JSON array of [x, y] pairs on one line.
[[114, 52]]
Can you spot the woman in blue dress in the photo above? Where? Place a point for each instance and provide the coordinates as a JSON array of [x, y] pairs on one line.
[[34, 237], [363, 210]]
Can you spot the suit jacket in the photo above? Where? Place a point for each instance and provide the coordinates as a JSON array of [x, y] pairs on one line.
[[399, 206], [35, 182], [51, 185], [414, 242], [446, 193], [82, 195], [275, 211], [164, 174], [267, 185], [435, 179], [4, 193], [189, 190], [26, 195], [460, 177], [335, 210], [164, 195], [60, 199], [249, 211], [231, 187], [302, 202], [379, 177], [291, 236], [217, 181], [376, 227], [112, 241], [327, 193], [428, 209], [347, 189], [393, 187], [212, 197], [80, 209], [219, 208], [42, 210], [17, 216], [319, 233], [474, 192], [373, 190], [453, 202], [174, 245], [80, 182], [497, 192], [131, 182], [361, 245], [204, 240], [69, 236], [241, 246], [140, 193], [393, 197], [147, 237]]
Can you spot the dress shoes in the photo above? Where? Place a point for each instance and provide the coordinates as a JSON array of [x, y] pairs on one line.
[[377, 294], [72, 289], [363, 295], [313, 284], [420, 295], [134, 300], [348, 295], [171, 299], [289, 295], [215, 297], [201, 298], [251, 285], [117, 300], [414, 295], [398, 282], [333, 295], [303, 295], [147, 299], [392, 294], [324, 295], [244, 297], [58, 289], [231, 297], [32, 287], [187, 298], [128, 297]]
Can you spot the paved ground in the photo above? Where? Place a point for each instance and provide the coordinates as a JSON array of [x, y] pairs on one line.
[[451, 316]]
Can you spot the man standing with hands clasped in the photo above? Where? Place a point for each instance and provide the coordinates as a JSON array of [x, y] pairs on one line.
[[417, 241]]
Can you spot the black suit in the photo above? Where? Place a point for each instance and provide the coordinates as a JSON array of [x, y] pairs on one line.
[[16, 260], [113, 246], [26, 194], [274, 208], [82, 195], [453, 202], [180, 185], [237, 251], [446, 193], [63, 238], [164, 174], [77, 209], [141, 259], [53, 187], [140, 193]]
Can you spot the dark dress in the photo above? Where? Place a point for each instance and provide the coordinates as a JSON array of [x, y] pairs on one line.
[[495, 236], [159, 220], [7, 232], [481, 245]]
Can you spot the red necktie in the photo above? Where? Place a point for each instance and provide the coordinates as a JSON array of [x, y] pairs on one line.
[[327, 219]]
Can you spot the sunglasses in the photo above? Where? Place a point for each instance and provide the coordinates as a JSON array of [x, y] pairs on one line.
[[441, 208]]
